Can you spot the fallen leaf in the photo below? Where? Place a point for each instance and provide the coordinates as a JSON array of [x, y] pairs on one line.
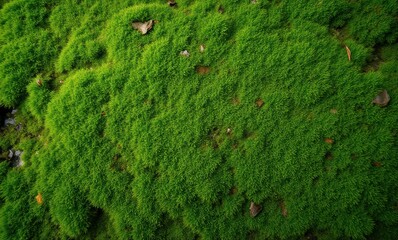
[[143, 27], [329, 140], [259, 102], [202, 70], [348, 53], [283, 209], [39, 199], [255, 209], [382, 99], [39, 82]]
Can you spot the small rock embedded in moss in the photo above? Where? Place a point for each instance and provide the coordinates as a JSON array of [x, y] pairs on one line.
[[255, 209], [382, 99], [185, 53], [143, 27], [201, 48]]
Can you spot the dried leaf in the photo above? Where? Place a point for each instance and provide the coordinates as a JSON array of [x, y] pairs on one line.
[[283, 209], [39, 199], [348, 53], [202, 70], [143, 27], [328, 140], [39, 82], [382, 99], [255, 209], [259, 102]]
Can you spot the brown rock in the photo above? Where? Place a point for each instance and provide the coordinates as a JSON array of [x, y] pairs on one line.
[[382, 99], [255, 209], [259, 102], [143, 27]]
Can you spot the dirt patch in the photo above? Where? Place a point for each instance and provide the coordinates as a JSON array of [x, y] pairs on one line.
[[233, 191], [203, 70], [235, 101], [376, 164], [373, 63], [221, 9], [328, 156]]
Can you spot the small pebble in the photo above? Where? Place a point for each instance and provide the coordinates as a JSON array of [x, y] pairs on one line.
[[185, 53], [255, 209], [382, 99], [202, 48]]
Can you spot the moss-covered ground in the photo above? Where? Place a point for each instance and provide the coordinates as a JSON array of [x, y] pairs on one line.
[[126, 136]]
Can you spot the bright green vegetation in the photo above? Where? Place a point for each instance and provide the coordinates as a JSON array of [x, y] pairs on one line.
[[124, 139]]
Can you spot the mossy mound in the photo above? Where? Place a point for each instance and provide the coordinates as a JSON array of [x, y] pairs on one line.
[[220, 106]]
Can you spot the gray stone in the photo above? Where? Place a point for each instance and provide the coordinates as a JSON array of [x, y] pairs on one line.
[[9, 121]]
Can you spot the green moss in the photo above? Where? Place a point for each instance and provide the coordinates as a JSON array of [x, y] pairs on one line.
[[127, 138]]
